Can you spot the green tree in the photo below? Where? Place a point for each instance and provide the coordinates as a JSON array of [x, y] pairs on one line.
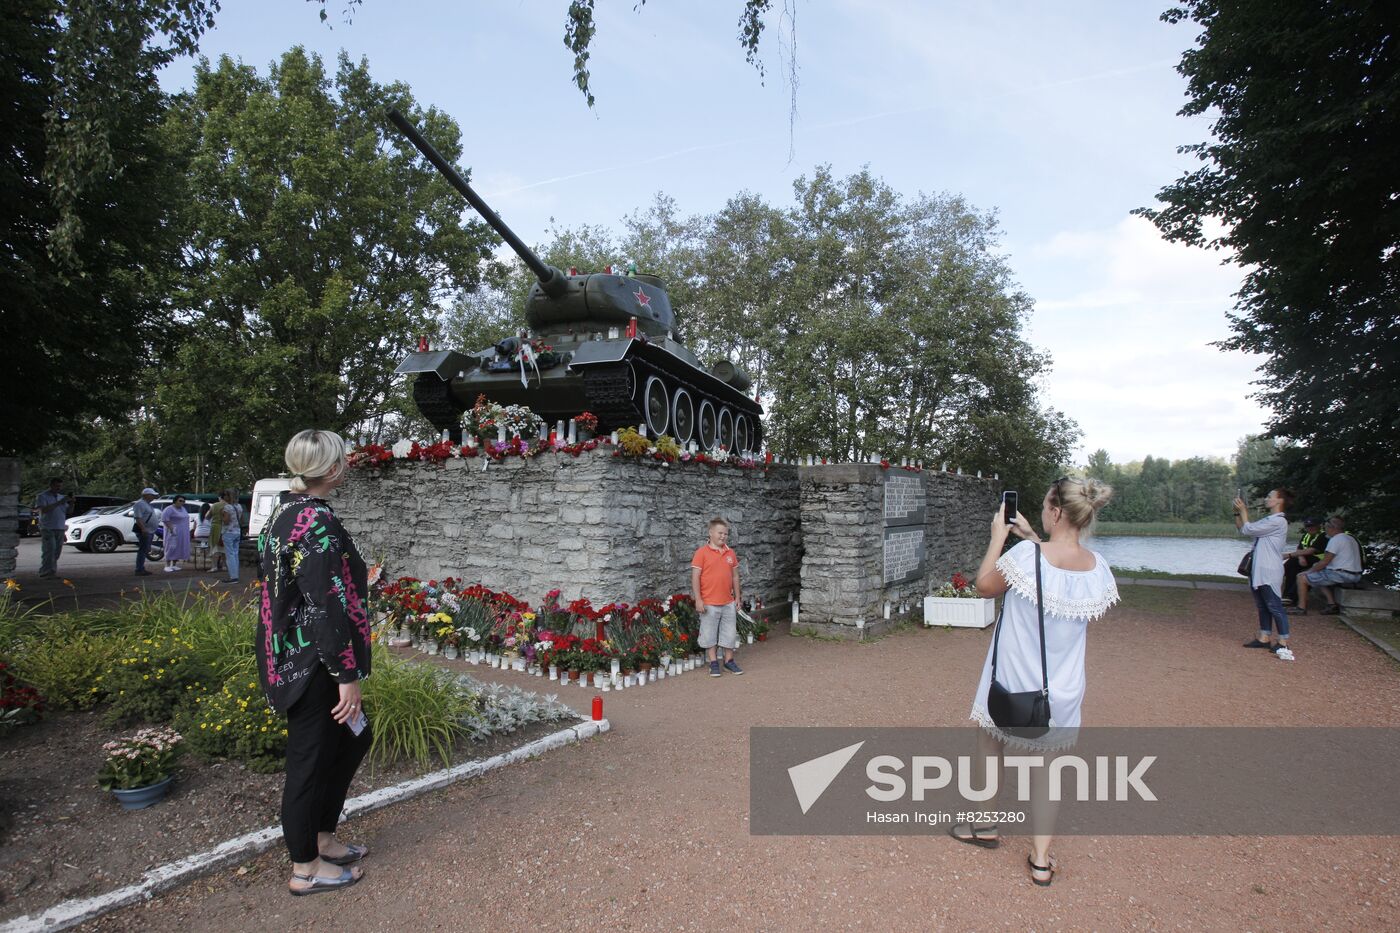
[[872, 323], [1300, 182], [319, 248], [76, 320]]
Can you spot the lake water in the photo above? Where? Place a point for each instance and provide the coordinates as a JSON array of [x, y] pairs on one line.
[[1173, 555]]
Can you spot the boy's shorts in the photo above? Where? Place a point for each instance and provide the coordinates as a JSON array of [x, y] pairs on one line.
[[719, 626]]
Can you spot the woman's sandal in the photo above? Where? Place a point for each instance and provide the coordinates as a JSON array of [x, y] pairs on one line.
[[353, 853], [317, 884], [1042, 869], [966, 832]]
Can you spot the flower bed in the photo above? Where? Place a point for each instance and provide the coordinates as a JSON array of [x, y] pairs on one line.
[[564, 641]]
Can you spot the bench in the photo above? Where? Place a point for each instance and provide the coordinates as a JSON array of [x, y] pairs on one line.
[[1368, 602]]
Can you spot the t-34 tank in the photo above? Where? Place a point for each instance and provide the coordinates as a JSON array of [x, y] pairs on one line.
[[611, 353]]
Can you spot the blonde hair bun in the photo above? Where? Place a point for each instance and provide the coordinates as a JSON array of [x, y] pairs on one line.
[[314, 455], [1081, 500]]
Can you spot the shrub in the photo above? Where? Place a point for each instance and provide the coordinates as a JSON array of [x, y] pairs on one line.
[[153, 679], [67, 665], [236, 722], [140, 760], [505, 709], [417, 711]]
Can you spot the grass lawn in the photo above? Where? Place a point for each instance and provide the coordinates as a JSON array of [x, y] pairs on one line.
[[1141, 574]]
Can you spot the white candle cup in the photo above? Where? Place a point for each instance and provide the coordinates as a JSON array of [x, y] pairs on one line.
[[794, 611], [471, 442], [553, 672], [860, 624], [904, 461], [573, 432], [605, 687], [887, 610], [559, 428], [616, 666], [500, 434], [614, 438], [642, 429]]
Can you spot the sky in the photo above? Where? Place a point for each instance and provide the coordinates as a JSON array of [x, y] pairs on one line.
[[1061, 118]]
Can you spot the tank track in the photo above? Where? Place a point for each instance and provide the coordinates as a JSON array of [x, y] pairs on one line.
[[610, 390], [698, 393]]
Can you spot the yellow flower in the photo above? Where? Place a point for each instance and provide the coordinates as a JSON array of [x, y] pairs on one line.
[[11, 584], [68, 583]]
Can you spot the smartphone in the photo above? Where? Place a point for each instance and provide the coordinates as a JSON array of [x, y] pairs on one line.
[[1008, 506], [1239, 494]]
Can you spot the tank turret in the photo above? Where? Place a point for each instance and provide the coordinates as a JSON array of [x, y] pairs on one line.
[[599, 342]]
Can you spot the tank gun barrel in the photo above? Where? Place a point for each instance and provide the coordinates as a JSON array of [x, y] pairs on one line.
[[551, 279]]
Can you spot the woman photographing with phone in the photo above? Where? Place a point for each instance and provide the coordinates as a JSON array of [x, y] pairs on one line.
[[1038, 656]]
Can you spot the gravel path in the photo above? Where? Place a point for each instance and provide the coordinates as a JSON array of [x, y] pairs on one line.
[[645, 828]]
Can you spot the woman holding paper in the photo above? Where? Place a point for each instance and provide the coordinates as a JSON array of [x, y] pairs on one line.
[[313, 650]]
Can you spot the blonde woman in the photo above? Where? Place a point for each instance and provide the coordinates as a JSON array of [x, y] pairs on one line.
[[1076, 587], [313, 651]]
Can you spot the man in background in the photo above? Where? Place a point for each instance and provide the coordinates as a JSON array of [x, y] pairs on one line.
[[53, 506], [146, 521], [1312, 542], [1340, 565]]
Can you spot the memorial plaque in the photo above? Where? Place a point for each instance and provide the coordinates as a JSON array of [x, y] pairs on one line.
[[906, 505], [905, 500]]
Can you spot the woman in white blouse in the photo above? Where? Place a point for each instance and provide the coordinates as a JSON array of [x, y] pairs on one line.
[[1270, 535], [1077, 587]]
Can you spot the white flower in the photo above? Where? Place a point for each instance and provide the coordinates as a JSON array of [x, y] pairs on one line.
[[401, 449]]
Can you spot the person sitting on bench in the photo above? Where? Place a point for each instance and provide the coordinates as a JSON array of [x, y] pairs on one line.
[[1339, 566]]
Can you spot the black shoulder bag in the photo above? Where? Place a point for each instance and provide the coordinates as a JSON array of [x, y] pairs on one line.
[[1024, 714]]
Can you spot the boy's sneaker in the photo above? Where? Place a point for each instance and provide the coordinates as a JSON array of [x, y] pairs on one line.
[[733, 667], [1333, 610], [1284, 653], [1258, 644], [714, 668]]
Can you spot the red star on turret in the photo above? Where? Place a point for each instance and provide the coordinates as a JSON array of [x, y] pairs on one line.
[[642, 297]]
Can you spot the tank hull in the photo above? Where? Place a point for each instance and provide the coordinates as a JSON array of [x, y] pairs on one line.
[[626, 382]]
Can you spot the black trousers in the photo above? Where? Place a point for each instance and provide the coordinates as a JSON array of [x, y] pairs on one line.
[[1291, 569], [322, 757]]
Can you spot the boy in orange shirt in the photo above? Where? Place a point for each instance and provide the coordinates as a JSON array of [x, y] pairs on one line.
[[714, 582]]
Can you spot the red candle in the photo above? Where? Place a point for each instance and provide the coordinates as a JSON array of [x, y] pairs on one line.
[[597, 708], [600, 635]]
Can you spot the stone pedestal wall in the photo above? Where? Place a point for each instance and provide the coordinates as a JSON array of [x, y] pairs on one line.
[[9, 514], [845, 539], [597, 526], [875, 535]]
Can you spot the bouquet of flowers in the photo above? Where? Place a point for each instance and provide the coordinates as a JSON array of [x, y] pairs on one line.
[[140, 760], [958, 588], [586, 421]]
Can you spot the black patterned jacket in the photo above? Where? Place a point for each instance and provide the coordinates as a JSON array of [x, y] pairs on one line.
[[313, 608]]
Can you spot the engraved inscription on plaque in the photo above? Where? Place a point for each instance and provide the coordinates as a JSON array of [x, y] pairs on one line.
[[906, 505], [904, 554], [905, 502]]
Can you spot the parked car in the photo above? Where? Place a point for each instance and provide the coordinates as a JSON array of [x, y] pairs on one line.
[[82, 505], [107, 529]]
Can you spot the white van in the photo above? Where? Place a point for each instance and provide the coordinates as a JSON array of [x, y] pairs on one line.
[[266, 492]]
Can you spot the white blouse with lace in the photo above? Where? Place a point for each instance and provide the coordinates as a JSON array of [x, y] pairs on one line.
[[1073, 598]]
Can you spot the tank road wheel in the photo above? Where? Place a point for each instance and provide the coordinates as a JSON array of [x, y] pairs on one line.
[[726, 429], [743, 437], [707, 424], [682, 416], [656, 402]]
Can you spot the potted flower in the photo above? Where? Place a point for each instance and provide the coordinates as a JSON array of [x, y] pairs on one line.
[[140, 768], [957, 603], [586, 424]]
